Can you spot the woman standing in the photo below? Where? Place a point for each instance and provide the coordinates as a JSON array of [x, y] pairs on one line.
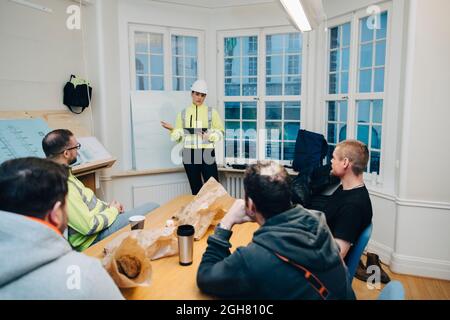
[[199, 128]]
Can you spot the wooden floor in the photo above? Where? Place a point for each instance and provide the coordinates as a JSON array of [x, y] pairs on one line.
[[416, 288]]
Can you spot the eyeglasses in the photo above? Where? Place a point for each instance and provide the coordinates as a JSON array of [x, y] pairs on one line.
[[78, 146]]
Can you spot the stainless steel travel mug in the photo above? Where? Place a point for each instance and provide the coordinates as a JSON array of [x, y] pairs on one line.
[[185, 235]]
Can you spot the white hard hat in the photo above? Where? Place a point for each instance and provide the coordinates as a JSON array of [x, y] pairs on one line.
[[200, 86]]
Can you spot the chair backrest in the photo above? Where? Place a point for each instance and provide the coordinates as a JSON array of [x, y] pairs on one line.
[[392, 291], [354, 255]]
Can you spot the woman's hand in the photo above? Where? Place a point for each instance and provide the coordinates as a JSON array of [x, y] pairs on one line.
[[204, 135], [166, 125]]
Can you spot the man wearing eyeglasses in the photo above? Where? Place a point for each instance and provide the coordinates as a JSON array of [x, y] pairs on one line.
[[90, 219]]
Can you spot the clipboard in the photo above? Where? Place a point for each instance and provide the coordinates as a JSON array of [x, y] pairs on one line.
[[195, 130]]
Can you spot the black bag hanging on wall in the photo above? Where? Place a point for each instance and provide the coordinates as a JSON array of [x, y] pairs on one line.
[[77, 93]]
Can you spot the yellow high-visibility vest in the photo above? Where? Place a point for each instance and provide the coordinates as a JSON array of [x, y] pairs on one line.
[[87, 214], [197, 117]]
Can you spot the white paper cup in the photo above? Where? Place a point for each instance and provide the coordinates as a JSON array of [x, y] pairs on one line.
[[136, 222]]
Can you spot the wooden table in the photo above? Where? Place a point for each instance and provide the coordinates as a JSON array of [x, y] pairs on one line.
[[169, 279]]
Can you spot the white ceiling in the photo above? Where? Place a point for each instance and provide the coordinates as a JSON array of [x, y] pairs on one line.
[[214, 4]]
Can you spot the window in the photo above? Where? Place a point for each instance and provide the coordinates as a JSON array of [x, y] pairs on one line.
[[370, 118], [282, 125], [240, 79], [164, 58], [241, 66], [262, 90], [337, 124], [372, 55], [283, 64], [338, 84], [339, 53], [355, 99], [240, 138], [149, 55], [184, 62]]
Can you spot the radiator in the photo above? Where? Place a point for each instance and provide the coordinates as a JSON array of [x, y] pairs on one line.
[[234, 184], [163, 193], [159, 193]]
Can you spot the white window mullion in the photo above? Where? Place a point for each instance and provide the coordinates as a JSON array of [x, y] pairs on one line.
[[353, 78], [167, 61], [261, 120]]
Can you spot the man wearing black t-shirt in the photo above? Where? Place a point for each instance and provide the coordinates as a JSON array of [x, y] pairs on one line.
[[349, 210]]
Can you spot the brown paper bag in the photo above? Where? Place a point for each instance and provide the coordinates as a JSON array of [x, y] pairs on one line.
[[138, 246], [207, 208], [157, 243], [128, 265]]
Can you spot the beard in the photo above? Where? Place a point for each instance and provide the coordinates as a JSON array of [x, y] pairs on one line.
[[72, 161]]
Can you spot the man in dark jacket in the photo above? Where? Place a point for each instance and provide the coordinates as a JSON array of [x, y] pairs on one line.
[[292, 255]]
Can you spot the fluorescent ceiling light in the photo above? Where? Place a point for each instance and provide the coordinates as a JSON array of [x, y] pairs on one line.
[[32, 5], [297, 14]]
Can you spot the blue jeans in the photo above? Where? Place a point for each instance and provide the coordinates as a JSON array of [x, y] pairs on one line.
[[122, 220]]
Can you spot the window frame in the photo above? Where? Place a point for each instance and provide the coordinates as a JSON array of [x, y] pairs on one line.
[[167, 33], [353, 95], [261, 98], [200, 51]]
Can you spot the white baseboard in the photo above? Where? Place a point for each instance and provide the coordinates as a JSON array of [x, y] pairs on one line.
[[383, 251], [425, 267], [398, 263]]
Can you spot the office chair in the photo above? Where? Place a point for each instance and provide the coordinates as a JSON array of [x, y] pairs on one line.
[[354, 255], [392, 291]]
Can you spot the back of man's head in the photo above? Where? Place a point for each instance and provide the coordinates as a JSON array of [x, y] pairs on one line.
[[269, 186], [357, 154], [32, 186], [55, 142]]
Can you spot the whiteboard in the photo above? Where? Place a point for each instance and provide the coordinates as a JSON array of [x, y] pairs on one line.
[[22, 138], [152, 147]]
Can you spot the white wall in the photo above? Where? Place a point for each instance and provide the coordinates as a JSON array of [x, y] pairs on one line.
[[38, 54], [423, 203], [427, 140]]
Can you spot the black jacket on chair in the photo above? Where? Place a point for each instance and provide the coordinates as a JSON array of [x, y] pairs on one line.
[[310, 150]]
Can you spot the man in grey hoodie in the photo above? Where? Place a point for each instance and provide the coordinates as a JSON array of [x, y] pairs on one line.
[[292, 255], [36, 261]]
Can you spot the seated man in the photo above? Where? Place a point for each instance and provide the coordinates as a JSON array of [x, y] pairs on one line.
[[37, 262], [292, 255], [90, 219], [349, 210]]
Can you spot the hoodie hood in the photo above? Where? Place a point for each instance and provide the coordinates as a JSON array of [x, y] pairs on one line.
[[26, 245], [302, 236]]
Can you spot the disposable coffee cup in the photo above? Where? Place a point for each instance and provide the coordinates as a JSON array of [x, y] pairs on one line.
[[137, 222], [185, 235]]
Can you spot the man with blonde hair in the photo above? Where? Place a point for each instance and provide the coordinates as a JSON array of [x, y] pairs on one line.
[[349, 210]]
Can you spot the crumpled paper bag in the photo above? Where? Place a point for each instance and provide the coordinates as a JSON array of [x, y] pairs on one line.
[[141, 246], [128, 265], [208, 207]]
